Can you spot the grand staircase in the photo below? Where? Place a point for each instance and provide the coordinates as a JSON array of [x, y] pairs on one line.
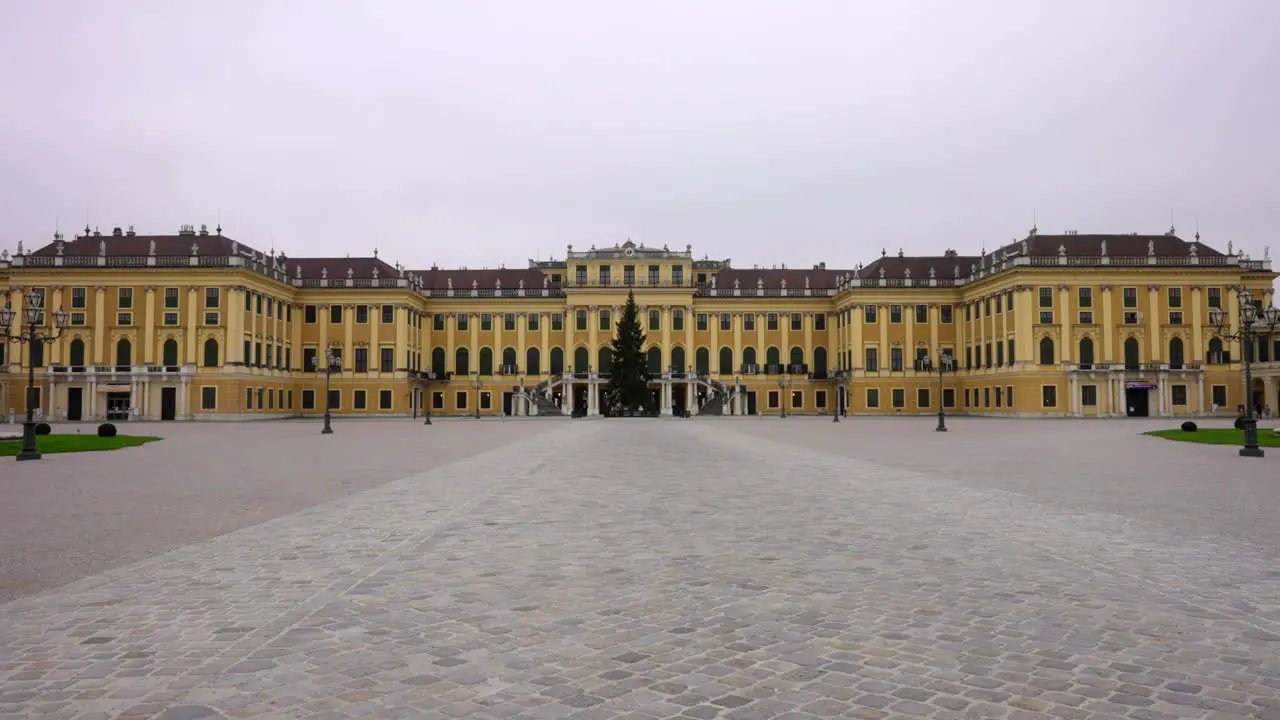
[[541, 396], [719, 396]]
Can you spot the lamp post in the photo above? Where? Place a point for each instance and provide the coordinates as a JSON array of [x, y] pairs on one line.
[[426, 403], [946, 364], [332, 364], [32, 311], [838, 377], [1253, 323], [782, 397], [478, 384]]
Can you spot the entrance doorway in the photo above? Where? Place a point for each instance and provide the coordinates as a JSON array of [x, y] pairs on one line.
[[508, 398], [579, 400], [678, 397], [118, 405], [602, 401], [168, 403], [1136, 402], [75, 404], [751, 402], [656, 395]]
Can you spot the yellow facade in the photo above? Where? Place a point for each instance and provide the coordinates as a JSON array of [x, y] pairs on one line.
[[197, 326]]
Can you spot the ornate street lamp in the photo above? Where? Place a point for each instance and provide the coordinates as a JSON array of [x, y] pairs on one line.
[[782, 397], [333, 364], [479, 383], [1254, 322], [427, 393], [32, 311], [838, 378], [946, 364]]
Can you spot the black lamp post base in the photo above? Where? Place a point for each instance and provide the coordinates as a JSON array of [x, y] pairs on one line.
[[1252, 452], [25, 454], [427, 421], [942, 423]]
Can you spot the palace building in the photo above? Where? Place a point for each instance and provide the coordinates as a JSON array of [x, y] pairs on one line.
[[198, 326]]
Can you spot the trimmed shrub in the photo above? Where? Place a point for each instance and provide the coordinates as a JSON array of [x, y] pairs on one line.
[[106, 430], [1239, 423], [43, 429], [1189, 426]]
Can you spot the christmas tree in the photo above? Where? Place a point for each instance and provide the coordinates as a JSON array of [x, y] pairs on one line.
[[628, 387]]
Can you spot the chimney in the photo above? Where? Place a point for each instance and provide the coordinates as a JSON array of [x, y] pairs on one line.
[[204, 229], [116, 232], [130, 231], [187, 230]]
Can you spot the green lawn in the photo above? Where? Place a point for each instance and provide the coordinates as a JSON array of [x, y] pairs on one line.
[[75, 443], [1218, 436]]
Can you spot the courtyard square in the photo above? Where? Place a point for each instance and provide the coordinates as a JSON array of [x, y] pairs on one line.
[[710, 568]]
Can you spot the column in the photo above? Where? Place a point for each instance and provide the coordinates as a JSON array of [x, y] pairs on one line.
[[296, 330], [760, 347], [544, 352], [567, 399], [957, 318], [375, 348], [570, 320], [735, 320], [1074, 389], [909, 323], [784, 352], [281, 329], [593, 322], [1153, 325], [234, 312], [522, 320], [1233, 317], [808, 341], [981, 340], [1004, 330], [689, 398], [935, 312], [855, 336], [1197, 335], [450, 331], [53, 305], [17, 351], [402, 337], [148, 338], [666, 338], [99, 322], [322, 312], [193, 317], [1108, 327], [473, 353], [882, 319], [1024, 317], [1200, 392], [690, 352], [1064, 323], [500, 320], [348, 331]]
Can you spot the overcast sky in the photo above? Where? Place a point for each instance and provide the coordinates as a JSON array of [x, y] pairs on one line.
[[486, 133]]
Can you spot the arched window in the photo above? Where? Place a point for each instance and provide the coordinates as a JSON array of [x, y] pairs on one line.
[[702, 361], [124, 354], [486, 361], [772, 356], [1046, 351], [726, 361], [797, 356], [532, 364], [677, 360], [1086, 352], [654, 360], [1132, 354], [169, 353], [211, 353], [509, 357], [461, 362], [77, 353], [581, 360], [1215, 352], [557, 361], [749, 356], [437, 361], [1175, 354], [820, 362], [604, 360]]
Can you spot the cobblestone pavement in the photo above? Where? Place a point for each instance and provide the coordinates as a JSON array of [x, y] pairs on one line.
[[73, 515], [662, 569]]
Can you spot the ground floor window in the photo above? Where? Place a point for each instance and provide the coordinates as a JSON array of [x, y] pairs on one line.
[[260, 392], [384, 399], [773, 399], [949, 397], [1179, 394], [335, 399], [460, 400], [209, 398], [797, 399], [966, 397], [1220, 395], [922, 397], [873, 398], [308, 399], [986, 397], [359, 400], [271, 399], [820, 399], [999, 396], [437, 401], [1008, 396], [248, 398], [899, 397], [290, 399], [1049, 396], [486, 400], [1089, 395]]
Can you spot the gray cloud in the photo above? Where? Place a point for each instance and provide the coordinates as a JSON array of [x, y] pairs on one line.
[[485, 132]]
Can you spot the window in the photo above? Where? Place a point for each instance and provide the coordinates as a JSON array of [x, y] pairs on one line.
[[999, 396], [773, 399], [1086, 317], [1046, 297], [606, 320], [1010, 344], [947, 312], [171, 297], [1049, 396], [1046, 351], [80, 298], [1131, 297], [358, 399], [124, 298], [335, 399], [772, 321], [986, 397], [726, 321], [309, 358], [749, 321], [820, 321], [820, 399], [309, 314], [1175, 317], [922, 398], [797, 399], [362, 359], [1086, 297], [308, 399], [895, 359], [460, 400], [1215, 297], [654, 275], [437, 401], [677, 275], [797, 321], [387, 359], [606, 276], [873, 398], [922, 314], [580, 274], [677, 320], [1219, 394], [629, 274], [464, 322], [335, 314], [557, 321], [124, 318], [580, 319], [77, 318], [1046, 317], [949, 397], [171, 318], [1179, 395], [986, 307], [999, 354], [872, 359], [1131, 317], [1175, 297], [899, 398], [701, 321], [531, 322], [388, 314], [271, 393], [1089, 395], [869, 314], [208, 398], [288, 317], [509, 321], [895, 313], [437, 322], [486, 322], [248, 398]]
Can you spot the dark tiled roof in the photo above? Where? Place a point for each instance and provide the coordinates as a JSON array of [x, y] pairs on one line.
[[943, 266], [439, 279], [140, 245], [821, 278], [336, 268], [1130, 245]]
